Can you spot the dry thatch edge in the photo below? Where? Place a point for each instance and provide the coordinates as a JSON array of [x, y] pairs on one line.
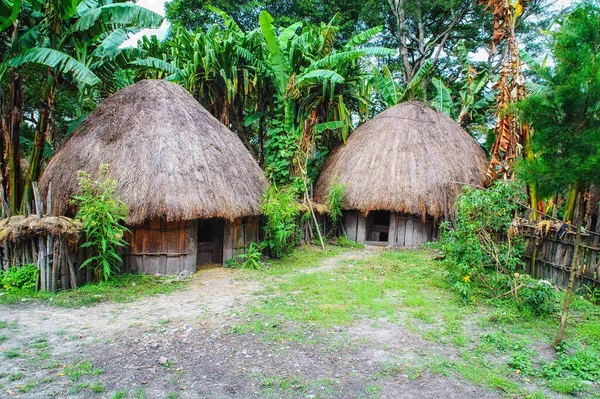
[[20, 228], [170, 157], [319, 208], [402, 161]]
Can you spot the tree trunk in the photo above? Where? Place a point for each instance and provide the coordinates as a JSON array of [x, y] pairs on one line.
[[574, 267], [11, 131], [571, 202], [43, 133]]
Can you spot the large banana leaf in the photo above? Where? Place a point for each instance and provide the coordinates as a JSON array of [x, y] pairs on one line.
[[110, 45], [333, 125], [27, 39], [58, 60], [119, 14], [66, 8], [385, 86], [277, 62], [9, 11], [323, 75], [156, 63], [353, 55], [287, 34], [443, 98], [363, 37], [414, 84]]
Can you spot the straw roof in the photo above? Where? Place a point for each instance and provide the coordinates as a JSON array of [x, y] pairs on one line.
[[402, 160], [171, 158], [17, 228]]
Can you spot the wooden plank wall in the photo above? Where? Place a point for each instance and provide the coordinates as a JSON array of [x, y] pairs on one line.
[[405, 230], [160, 247], [410, 230], [238, 235], [553, 255]]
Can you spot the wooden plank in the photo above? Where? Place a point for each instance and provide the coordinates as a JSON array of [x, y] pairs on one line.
[[420, 232], [409, 235], [401, 231], [227, 242], [350, 220], [392, 231], [361, 229]]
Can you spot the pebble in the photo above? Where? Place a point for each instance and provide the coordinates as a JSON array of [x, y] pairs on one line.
[[162, 360]]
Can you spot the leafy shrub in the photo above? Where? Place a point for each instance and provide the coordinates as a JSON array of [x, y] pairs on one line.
[[539, 296], [20, 278], [252, 257], [346, 243], [593, 294], [483, 251], [335, 202], [281, 228], [475, 246], [521, 360], [102, 213], [583, 364]]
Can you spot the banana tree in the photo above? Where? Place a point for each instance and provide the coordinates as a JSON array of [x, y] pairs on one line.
[[221, 68], [315, 83], [390, 92], [61, 35], [472, 101]]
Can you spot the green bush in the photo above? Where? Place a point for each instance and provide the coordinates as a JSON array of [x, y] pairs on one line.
[[346, 243], [482, 251], [335, 202], [281, 220], [102, 213], [19, 278], [252, 257], [538, 296]]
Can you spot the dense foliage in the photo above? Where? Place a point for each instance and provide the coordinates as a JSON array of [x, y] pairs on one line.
[[483, 252], [335, 203], [564, 109], [281, 220], [102, 214], [57, 59], [19, 278]]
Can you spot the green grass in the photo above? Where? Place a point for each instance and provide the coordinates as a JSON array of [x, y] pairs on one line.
[[496, 342], [374, 287], [97, 387], [27, 387], [76, 370], [121, 288], [16, 376], [304, 257], [13, 353]]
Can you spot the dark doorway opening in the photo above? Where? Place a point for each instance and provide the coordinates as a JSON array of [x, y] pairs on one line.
[[378, 226], [210, 241]]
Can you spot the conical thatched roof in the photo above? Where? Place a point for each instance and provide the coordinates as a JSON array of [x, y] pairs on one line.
[[170, 157], [402, 159]]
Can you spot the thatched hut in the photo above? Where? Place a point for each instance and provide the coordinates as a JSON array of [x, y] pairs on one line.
[[401, 171], [193, 190]]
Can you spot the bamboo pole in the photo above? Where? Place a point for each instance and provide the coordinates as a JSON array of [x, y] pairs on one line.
[[574, 266]]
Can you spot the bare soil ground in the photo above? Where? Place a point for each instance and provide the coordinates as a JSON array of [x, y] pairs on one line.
[[183, 345]]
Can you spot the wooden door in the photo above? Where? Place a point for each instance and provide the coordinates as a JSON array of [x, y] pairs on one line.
[[210, 241]]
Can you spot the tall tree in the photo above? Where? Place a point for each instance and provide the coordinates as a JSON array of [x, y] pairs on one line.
[[564, 110], [193, 14], [60, 35], [565, 113]]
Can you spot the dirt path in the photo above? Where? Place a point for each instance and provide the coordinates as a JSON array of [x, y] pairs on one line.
[[182, 346]]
